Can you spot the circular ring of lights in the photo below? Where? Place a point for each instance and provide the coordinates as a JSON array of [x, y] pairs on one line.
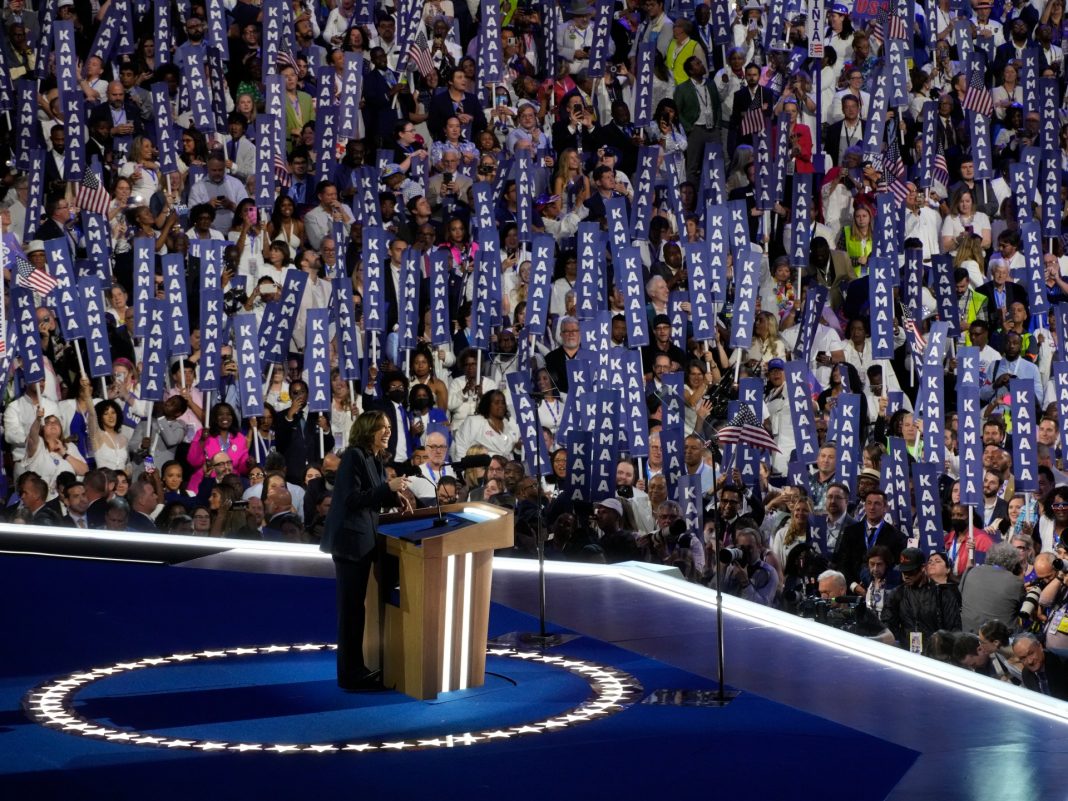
[[52, 705]]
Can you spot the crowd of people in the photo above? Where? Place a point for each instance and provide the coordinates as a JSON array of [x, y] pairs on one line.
[[723, 94]]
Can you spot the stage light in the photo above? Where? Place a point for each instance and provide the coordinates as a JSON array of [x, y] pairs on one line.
[[52, 705]]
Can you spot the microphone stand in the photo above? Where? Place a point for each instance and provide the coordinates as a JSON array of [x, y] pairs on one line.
[[543, 639], [723, 697]]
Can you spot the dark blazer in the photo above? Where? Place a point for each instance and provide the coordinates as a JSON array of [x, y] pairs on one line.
[[49, 229], [133, 115], [141, 522], [849, 555], [360, 492], [1014, 293], [742, 102], [832, 142], [379, 114], [46, 516], [298, 440], [563, 139], [1056, 669], [442, 107], [611, 135], [96, 511]]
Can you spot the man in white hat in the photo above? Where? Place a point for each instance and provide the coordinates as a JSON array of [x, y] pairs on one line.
[[574, 41]]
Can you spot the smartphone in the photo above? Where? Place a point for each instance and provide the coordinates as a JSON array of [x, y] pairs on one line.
[[239, 505], [446, 178]]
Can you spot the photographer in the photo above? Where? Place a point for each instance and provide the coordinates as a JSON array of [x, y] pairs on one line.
[[747, 575], [1052, 611], [670, 544], [849, 615]]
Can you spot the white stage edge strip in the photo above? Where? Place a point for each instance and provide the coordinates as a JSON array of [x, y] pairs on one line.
[[915, 665]]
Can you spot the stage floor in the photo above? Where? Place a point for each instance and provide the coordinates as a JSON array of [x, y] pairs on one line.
[[822, 708]]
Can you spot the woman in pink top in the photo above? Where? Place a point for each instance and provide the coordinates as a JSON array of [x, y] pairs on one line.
[[220, 436]]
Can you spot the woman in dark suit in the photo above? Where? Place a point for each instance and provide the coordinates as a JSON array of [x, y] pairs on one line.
[[361, 490]]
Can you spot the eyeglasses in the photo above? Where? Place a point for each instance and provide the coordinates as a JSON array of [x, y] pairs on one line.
[[435, 447], [1058, 505], [257, 474]]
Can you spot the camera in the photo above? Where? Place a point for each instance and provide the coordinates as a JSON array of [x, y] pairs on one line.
[[625, 492], [446, 177], [1029, 606], [732, 556], [485, 170], [1058, 565]]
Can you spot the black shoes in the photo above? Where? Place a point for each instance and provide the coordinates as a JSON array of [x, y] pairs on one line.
[[367, 683]]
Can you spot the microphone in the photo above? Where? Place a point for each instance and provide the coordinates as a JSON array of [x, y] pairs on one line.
[[466, 463]]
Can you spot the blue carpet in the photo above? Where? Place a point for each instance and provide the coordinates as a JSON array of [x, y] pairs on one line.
[[62, 616]]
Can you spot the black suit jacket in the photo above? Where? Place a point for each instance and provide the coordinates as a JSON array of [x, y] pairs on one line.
[[1056, 670], [1014, 293], [96, 511], [298, 440], [133, 115], [47, 516], [832, 142], [852, 547], [442, 107], [563, 138], [743, 101], [613, 136], [49, 229], [141, 522], [379, 116], [360, 493]]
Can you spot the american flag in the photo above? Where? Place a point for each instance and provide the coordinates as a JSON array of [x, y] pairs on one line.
[[941, 170], [283, 58], [893, 174], [919, 342], [745, 429], [419, 53], [91, 195], [37, 280], [887, 22], [753, 121], [978, 97], [281, 172]]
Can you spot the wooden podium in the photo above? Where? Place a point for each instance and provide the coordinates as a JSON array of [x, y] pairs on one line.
[[432, 635]]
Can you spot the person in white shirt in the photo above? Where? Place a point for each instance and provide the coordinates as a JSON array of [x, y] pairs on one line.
[[221, 191], [319, 222], [854, 86], [922, 223], [434, 468], [986, 28]]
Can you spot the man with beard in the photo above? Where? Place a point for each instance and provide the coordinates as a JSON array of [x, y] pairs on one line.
[[505, 359]]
